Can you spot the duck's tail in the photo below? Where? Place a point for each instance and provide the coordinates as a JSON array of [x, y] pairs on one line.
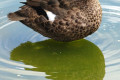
[[15, 17], [24, 3]]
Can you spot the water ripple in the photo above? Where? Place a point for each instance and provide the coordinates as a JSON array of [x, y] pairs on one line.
[[3, 17], [7, 24]]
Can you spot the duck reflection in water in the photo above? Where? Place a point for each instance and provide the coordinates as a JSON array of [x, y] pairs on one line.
[[77, 60]]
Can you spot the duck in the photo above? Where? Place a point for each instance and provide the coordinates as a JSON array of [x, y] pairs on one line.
[[74, 20]]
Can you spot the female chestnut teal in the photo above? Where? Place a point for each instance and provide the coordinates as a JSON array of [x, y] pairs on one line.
[[75, 19]]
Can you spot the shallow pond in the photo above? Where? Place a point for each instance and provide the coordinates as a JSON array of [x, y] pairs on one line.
[[97, 57]]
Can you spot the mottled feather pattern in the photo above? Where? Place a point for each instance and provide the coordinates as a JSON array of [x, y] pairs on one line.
[[75, 19]]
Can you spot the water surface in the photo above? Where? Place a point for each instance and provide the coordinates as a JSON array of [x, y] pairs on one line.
[[25, 65]]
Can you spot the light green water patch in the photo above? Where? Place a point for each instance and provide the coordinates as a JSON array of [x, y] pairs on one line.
[[77, 60]]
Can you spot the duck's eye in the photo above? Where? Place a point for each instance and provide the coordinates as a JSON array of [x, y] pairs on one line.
[[50, 15]]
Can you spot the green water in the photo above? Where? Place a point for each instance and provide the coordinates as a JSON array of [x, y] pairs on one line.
[[77, 60]]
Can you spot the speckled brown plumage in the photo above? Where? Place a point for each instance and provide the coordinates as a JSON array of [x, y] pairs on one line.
[[75, 19]]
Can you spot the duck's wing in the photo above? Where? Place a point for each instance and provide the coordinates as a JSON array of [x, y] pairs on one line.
[[31, 7], [58, 3], [62, 28], [27, 12], [31, 17], [57, 7]]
